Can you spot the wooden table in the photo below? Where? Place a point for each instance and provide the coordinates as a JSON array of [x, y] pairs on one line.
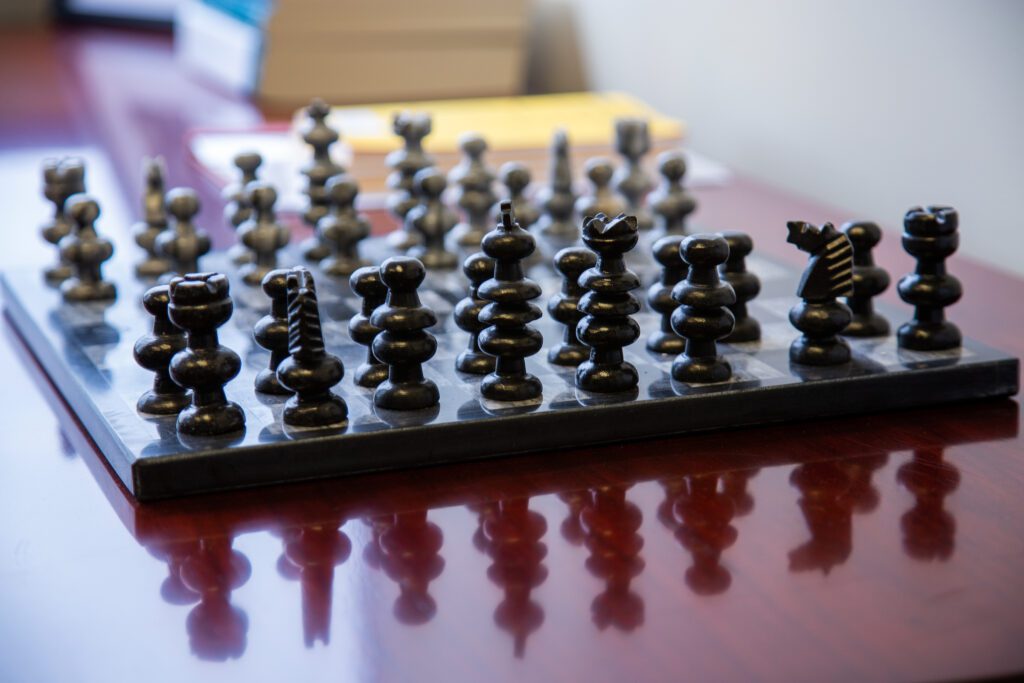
[[884, 547]]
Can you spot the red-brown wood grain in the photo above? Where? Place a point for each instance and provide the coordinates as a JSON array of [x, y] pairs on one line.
[[884, 547]]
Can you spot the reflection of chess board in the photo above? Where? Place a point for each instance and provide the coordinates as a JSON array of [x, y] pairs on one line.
[[87, 352]]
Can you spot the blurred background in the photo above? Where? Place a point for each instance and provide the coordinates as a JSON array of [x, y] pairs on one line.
[[868, 106]]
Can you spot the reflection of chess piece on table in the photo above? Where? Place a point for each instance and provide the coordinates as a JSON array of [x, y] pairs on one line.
[[314, 551], [705, 514], [610, 525], [571, 529], [824, 488], [409, 554], [217, 629], [734, 484], [929, 530], [173, 590]]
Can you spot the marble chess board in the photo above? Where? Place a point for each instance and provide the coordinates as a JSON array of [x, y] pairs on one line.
[[86, 350]]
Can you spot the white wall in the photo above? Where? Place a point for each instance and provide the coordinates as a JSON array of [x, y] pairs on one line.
[[871, 106]]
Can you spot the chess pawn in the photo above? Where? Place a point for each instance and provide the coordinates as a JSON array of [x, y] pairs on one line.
[[57, 190], [366, 283], [819, 317], [633, 142], [271, 331], [238, 208], [200, 303], [509, 336], [869, 281], [86, 252], [185, 243], [670, 201], [703, 316], [930, 236], [603, 198], [403, 343], [405, 163], [432, 221], [309, 370], [475, 194], [478, 268], [557, 200], [570, 263], [609, 306], [261, 234], [154, 220], [343, 228], [515, 176], [154, 352], [745, 284], [659, 295], [321, 168]]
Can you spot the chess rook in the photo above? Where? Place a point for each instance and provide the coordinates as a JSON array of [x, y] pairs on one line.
[[61, 179], [603, 198], [633, 142], [261, 233], [200, 303], [271, 331], [184, 243], [478, 268], [368, 286], [930, 236], [343, 228], [869, 281], [829, 274], [432, 221], [154, 220], [154, 351], [403, 343], [86, 252], [703, 316], [309, 370], [609, 306], [745, 284], [319, 136], [570, 263], [659, 295], [557, 200], [670, 201], [238, 208], [509, 337], [475, 194], [405, 163], [515, 176]]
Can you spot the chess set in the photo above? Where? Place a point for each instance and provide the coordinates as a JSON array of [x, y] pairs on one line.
[[270, 362]]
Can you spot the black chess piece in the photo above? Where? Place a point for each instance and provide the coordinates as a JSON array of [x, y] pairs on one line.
[[184, 243], [200, 303], [61, 179], [311, 554], [703, 316], [869, 281], [237, 208], [366, 284], [659, 295], [309, 370], [343, 228], [478, 268], [515, 176], [633, 142], [609, 306], [154, 220], [819, 316], [603, 197], [557, 200], [930, 236], [321, 168], [403, 343], [261, 233], [509, 336], [86, 251], [570, 263], [670, 201], [271, 331], [432, 220], [475, 194], [154, 352], [405, 163], [745, 284]]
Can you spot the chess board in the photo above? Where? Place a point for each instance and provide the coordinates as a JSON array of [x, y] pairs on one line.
[[86, 349]]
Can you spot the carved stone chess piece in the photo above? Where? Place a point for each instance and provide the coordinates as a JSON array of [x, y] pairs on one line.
[[515, 176], [184, 243], [829, 274], [570, 263], [366, 283], [237, 208], [86, 251], [930, 236], [603, 198], [154, 220], [271, 331], [475, 194], [405, 163], [745, 284], [61, 179], [670, 201], [343, 228], [432, 220], [478, 268], [261, 234], [659, 295], [154, 351], [200, 303], [557, 200], [869, 281], [319, 136], [633, 142]]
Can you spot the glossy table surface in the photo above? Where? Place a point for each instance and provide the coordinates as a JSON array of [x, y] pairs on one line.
[[884, 547]]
